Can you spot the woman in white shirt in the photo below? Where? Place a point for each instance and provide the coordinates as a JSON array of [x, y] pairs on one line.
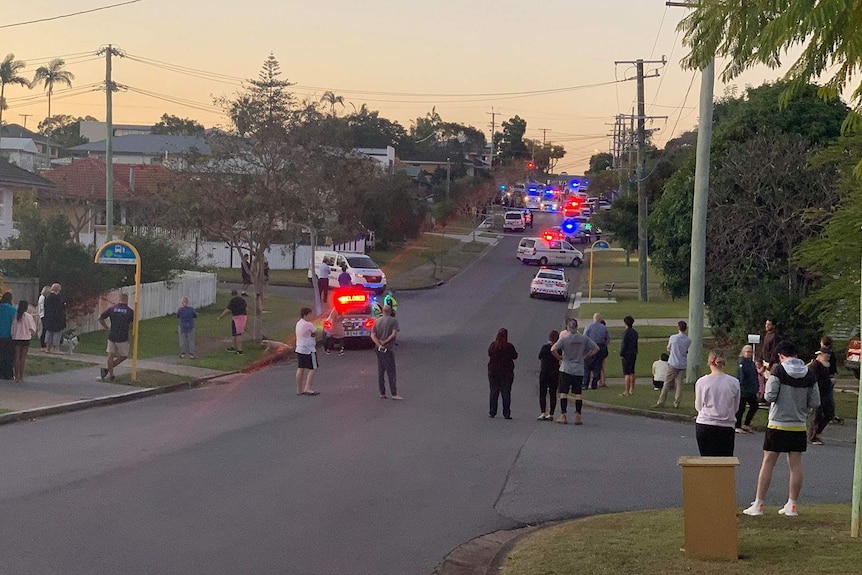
[[23, 329], [41, 308], [716, 399]]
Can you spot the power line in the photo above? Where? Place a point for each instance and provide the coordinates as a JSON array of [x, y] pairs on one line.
[[69, 15]]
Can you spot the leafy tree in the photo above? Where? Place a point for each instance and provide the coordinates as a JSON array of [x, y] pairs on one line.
[[65, 131], [545, 155], [332, 100], [393, 209], [601, 162], [833, 256], [161, 256], [368, 130], [54, 257], [51, 75], [510, 142], [10, 73], [176, 126], [752, 32]]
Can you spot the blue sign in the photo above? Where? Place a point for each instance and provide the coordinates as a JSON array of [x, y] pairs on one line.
[[601, 245], [116, 253]]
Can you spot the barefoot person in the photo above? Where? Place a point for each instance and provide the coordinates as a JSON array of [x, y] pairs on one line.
[[629, 355], [23, 330], [306, 352]]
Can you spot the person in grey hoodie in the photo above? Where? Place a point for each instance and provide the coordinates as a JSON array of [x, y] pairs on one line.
[[791, 391]]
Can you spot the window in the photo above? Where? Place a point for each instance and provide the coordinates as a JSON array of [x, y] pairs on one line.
[[119, 216]]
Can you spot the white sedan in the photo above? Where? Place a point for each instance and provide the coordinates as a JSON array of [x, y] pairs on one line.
[[550, 282]]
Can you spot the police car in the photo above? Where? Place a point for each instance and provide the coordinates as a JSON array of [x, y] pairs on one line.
[[550, 282], [355, 312]]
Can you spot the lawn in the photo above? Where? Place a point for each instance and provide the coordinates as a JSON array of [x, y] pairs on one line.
[[817, 542], [39, 363], [158, 336], [648, 352], [150, 378]]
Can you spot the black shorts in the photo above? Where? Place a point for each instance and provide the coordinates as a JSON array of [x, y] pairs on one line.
[[306, 360], [571, 383], [781, 441], [629, 364], [21, 342]]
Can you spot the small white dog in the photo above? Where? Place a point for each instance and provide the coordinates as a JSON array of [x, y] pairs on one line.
[[68, 345]]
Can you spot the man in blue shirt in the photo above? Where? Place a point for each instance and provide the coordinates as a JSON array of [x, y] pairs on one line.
[[677, 348], [121, 316]]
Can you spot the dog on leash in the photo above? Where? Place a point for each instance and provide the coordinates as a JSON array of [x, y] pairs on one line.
[[68, 344]]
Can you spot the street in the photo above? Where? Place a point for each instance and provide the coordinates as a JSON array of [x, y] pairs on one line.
[[247, 477]]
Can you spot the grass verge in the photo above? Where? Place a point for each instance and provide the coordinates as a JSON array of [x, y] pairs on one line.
[[41, 364], [150, 378], [817, 542]]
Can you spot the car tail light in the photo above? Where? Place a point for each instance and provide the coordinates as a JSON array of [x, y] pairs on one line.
[[369, 323], [327, 324]]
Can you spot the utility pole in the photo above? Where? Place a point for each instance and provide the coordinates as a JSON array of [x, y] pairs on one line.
[[544, 133], [493, 128], [448, 177], [25, 116], [641, 163], [110, 86]]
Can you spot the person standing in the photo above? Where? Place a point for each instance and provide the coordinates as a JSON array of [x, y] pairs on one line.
[[383, 335], [238, 309], [306, 352], [335, 334], [791, 390], [766, 354], [572, 351], [323, 280], [41, 309], [629, 354], [826, 345], [389, 299], [344, 279], [186, 315], [23, 330], [716, 399], [598, 332], [121, 316], [245, 270], [659, 371], [746, 373], [677, 347], [821, 367], [55, 318], [549, 378], [7, 347], [501, 373]]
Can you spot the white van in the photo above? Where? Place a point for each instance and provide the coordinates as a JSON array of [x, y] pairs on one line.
[[362, 269], [514, 220], [549, 252]]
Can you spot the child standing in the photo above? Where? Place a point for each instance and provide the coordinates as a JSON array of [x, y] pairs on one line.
[[659, 371], [549, 376]]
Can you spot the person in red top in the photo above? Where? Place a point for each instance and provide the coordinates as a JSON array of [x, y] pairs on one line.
[[501, 372]]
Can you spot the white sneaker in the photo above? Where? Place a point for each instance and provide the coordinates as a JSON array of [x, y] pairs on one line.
[[789, 510], [755, 509]]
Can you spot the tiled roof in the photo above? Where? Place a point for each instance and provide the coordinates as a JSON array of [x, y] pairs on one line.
[[149, 144], [15, 177], [85, 178]]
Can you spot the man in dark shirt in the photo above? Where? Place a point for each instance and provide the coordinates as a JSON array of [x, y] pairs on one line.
[[121, 316], [239, 313]]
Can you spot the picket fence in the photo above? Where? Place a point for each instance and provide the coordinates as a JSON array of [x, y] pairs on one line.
[[220, 254], [158, 299]]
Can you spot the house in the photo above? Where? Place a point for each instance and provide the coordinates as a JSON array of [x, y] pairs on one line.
[[79, 193], [94, 130], [384, 157], [23, 153], [43, 143], [14, 179], [147, 149]]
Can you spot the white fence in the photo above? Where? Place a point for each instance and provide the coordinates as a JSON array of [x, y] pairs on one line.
[[219, 254], [157, 299]]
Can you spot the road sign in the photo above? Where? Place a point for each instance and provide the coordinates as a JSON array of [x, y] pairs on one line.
[[601, 245], [116, 253]]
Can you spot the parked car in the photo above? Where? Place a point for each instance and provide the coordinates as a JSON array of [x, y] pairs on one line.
[[550, 282], [851, 360], [362, 269], [514, 221], [544, 252]]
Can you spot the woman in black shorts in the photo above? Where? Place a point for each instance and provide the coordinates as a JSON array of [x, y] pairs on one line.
[[629, 355]]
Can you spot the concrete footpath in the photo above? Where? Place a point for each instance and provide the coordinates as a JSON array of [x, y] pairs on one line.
[[81, 388]]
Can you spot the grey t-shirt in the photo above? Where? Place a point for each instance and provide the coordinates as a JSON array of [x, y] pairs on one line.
[[574, 347], [384, 326]]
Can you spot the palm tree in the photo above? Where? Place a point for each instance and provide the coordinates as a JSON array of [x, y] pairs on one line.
[[9, 69], [52, 74], [330, 98]]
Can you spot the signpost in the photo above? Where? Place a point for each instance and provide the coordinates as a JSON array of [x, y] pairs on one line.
[[597, 245], [118, 252]]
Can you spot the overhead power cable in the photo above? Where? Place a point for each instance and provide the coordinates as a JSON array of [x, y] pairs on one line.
[[69, 15]]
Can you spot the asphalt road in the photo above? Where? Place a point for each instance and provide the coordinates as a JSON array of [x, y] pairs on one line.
[[246, 477]]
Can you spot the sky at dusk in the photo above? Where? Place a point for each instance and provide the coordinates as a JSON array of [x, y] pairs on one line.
[[398, 56]]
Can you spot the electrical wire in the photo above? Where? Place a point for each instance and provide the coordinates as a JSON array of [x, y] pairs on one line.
[[69, 15]]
